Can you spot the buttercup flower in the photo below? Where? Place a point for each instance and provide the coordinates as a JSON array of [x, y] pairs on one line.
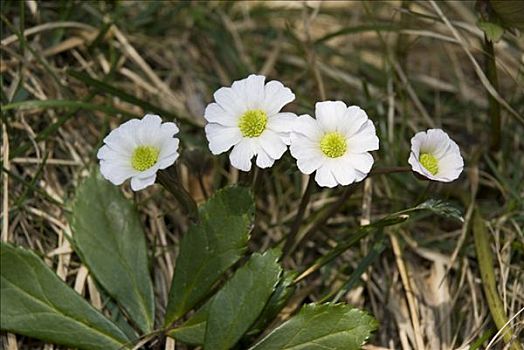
[[137, 149], [435, 156], [247, 117], [336, 144]]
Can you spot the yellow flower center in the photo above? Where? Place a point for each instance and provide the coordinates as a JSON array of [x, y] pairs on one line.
[[333, 144], [253, 123], [144, 157], [429, 162]]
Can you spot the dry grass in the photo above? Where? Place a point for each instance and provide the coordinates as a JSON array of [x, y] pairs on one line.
[[411, 69]]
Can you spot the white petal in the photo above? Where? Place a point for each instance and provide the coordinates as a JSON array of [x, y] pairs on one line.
[[167, 161], [151, 120], [264, 160], [123, 139], [416, 143], [272, 144], [419, 168], [308, 126], [233, 104], [342, 170], [222, 138], [239, 87], [216, 114], [364, 140], [436, 143], [363, 143], [253, 87], [240, 156], [168, 147], [324, 177], [107, 153], [282, 122], [148, 131], [450, 167], [362, 162], [169, 129], [354, 119], [115, 173], [307, 153], [138, 183], [148, 172], [276, 97], [330, 115], [303, 147], [359, 176], [309, 165]]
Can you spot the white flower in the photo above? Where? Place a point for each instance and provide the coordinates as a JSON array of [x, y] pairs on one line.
[[246, 116], [435, 156], [336, 144], [137, 149]]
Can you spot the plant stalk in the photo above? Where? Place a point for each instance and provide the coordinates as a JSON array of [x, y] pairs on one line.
[[169, 179], [290, 241], [325, 216], [390, 170]]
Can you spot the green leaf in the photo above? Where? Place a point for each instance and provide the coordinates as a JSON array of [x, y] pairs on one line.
[[493, 30], [439, 207], [109, 238], [276, 303], [193, 331], [209, 248], [36, 303], [321, 327], [239, 303]]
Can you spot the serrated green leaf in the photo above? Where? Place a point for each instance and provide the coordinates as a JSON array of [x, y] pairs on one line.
[[239, 303], [442, 208], [109, 238], [321, 327], [493, 30], [193, 331], [276, 303], [209, 248], [36, 303]]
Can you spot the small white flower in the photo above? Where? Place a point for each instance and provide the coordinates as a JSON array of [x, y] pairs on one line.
[[435, 156], [137, 149], [336, 144], [247, 117]]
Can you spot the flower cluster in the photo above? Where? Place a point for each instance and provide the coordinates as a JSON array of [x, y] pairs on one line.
[[247, 119]]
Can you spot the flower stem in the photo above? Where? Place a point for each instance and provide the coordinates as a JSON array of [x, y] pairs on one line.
[[290, 241], [390, 170], [257, 180], [325, 216], [335, 252], [169, 179]]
